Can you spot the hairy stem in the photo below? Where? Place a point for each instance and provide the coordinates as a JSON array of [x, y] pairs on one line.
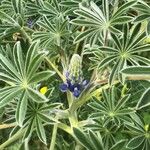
[[54, 134], [55, 68], [15, 137], [78, 44], [25, 35], [4, 126]]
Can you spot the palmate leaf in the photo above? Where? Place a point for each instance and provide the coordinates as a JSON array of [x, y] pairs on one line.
[[91, 143], [112, 107], [21, 78], [100, 20], [124, 51], [141, 140], [35, 120], [54, 31]]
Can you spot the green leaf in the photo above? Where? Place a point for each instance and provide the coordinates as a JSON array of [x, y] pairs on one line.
[[46, 118], [144, 100], [83, 139], [121, 20], [98, 11], [114, 72], [87, 13], [135, 142], [7, 18], [31, 54], [36, 96], [96, 141], [21, 109], [114, 30], [34, 64], [5, 99], [29, 128], [6, 78], [17, 6], [50, 106], [40, 130], [142, 17], [142, 48], [117, 41], [83, 22], [41, 76], [105, 5], [18, 58], [142, 59], [134, 35], [108, 49], [119, 145], [84, 35], [9, 68], [140, 70], [123, 8], [46, 24], [106, 61]]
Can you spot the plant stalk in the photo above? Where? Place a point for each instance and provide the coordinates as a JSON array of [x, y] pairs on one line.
[[55, 68], [54, 134], [78, 44], [25, 35], [15, 137]]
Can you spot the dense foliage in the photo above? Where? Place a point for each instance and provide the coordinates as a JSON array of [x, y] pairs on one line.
[[74, 75]]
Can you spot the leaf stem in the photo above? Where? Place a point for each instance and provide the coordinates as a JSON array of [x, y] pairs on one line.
[[15, 137], [4, 126], [25, 35], [54, 134], [78, 44], [55, 68]]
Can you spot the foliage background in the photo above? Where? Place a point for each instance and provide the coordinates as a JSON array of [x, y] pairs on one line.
[[38, 39]]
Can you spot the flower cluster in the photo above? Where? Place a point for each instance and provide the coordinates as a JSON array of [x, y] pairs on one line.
[[74, 81]]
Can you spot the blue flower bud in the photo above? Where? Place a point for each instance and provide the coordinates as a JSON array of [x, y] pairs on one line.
[[70, 86], [63, 87], [30, 23], [84, 83], [76, 92]]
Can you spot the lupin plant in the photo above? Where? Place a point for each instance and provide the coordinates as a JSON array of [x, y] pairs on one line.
[[74, 75]]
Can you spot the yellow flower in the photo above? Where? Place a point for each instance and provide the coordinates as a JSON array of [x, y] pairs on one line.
[[146, 127], [43, 90]]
